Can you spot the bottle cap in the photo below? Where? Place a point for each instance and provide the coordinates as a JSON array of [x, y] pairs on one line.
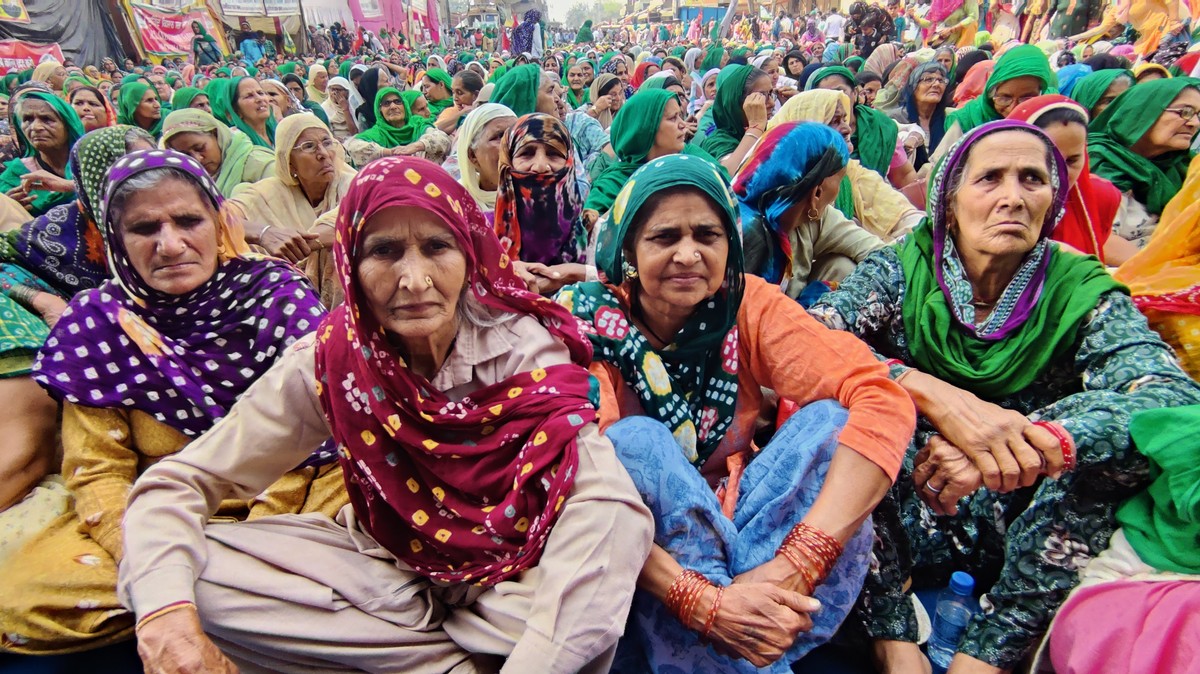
[[962, 583]]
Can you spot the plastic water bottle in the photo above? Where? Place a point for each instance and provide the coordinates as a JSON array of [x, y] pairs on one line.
[[954, 608]]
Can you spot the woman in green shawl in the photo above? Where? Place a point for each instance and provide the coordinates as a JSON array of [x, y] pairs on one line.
[[584, 36], [139, 106], [1096, 91], [525, 89], [649, 125], [714, 57], [1142, 144], [206, 50], [46, 127], [1021, 73], [1026, 362], [228, 156], [740, 111], [438, 88], [190, 97], [875, 134], [241, 103], [402, 127], [575, 82]]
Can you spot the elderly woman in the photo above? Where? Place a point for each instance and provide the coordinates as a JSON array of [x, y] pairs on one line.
[[1096, 91], [683, 352], [229, 157], [863, 194], [93, 108], [527, 89], [296, 87], [338, 109], [791, 233], [923, 101], [291, 214], [47, 128], [139, 106], [241, 103], [606, 96], [190, 97], [174, 334], [317, 87], [478, 154], [578, 94], [1025, 363], [873, 135], [402, 127], [740, 110], [483, 548], [1142, 143]]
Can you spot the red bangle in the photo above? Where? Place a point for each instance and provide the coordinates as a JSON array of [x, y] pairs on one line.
[[712, 614], [684, 594], [1065, 442], [806, 543]]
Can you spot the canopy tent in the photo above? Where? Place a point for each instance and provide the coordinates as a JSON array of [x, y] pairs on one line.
[[82, 28]]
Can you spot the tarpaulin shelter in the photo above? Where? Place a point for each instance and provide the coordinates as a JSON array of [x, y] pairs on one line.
[[83, 29]]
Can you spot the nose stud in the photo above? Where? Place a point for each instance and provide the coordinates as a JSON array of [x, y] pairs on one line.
[[428, 282], [697, 255]]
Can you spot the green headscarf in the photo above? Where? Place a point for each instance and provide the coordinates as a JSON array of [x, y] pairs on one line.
[[727, 111], [66, 91], [130, 99], [385, 134], [241, 160], [1091, 87], [1021, 61], [224, 70], [854, 62], [344, 69], [442, 77], [183, 97], [518, 89], [875, 133], [676, 386], [203, 34], [712, 58], [288, 68], [1162, 522], [1111, 136], [572, 101], [11, 177], [632, 133], [585, 33], [988, 367], [222, 95], [497, 74], [130, 79]]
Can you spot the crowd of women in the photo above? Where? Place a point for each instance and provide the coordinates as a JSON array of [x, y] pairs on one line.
[[694, 359]]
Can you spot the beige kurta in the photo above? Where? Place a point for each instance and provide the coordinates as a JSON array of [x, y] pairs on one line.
[[298, 593], [436, 142]]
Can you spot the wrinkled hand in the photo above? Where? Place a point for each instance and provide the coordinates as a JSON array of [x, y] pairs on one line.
[[46, 182], [408, 150], [756, 621], [176, 644], [780, 572], [19, 195], [50, 307], [943, 474], [603, 103], [545, 280], [755, 109], [288, 244]]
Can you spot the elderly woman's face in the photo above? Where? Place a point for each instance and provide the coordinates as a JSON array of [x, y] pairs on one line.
[[837, 83], [680, 251], [930, 88], [201, 102], [538, 157], [150, 108], [1011, 93], [279, 101], [946, 59], [392, 109], [710, 88], [484, 153], [319, 79], [1118, 87], [42, 125], [576, 78], [412, 273], [312, 157], [589, 72], [253, 104], [57, 78], [295, 89], [170, 235], [203, 147], [547, 97], [1005, 191], [420, 107], [1175, 128]]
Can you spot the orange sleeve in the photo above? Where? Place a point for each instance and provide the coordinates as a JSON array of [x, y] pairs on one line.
[[789, 351], [608, 379]]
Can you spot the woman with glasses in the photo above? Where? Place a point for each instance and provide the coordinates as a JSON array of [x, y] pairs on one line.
[[401, 126], [1142, 144], [923, 102], [300, 201]]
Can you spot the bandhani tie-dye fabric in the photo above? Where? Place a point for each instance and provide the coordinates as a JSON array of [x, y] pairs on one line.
[[459, 490]]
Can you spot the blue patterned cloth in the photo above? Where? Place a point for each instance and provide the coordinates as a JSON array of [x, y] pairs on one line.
[[776, 490]]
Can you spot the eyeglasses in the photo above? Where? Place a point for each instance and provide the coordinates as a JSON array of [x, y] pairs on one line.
[[1005, 101], [390, 103], [932, 79], [1185, 113], [310, 146]]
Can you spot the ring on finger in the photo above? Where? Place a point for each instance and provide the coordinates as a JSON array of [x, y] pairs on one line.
[[934, 490]]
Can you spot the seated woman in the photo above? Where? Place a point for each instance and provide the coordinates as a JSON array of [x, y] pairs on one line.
[[606, 95], [436, 86], [299, 91], [241, 103], [140, 106], [179, 333], [292, 213], [740, 111], [578, 94], [93, 108], [1092, 201], [1020, 74], [1025, 363], [338, 109], [924, 101], [402, 128], [650, 125], [484, 550], [863, 195], [190, 97], [527, 89], [1142, 143], [46, 129], [1164, 277], [229, 157], [791, 233], [465, 88], [478, 154], [1096, 91], [684, 346], [874, 135]]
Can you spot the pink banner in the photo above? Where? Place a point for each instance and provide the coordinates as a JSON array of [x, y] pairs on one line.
[[168, 33], [17, 55]]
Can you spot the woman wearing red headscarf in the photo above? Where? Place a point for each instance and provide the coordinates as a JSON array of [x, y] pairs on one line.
[[1092, 202]]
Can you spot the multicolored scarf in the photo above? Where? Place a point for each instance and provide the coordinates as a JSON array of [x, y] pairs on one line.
[[428, 476], [539, 215], [691, 385], [184, 359], [1038, 315]]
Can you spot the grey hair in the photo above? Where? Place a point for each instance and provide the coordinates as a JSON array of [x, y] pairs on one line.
[[471, 311], [136, 133], [147, 181]]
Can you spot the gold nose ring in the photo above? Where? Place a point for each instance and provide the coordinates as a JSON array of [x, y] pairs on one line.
[[428, 282]]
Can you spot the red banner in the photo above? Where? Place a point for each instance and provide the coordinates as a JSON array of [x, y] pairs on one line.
[[166, 33], [17, 55]]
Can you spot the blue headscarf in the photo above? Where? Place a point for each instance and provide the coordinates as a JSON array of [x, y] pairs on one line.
[[1068, 76]]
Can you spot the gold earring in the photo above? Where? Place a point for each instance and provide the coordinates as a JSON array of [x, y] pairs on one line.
[[813, 213], [631, 271]]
